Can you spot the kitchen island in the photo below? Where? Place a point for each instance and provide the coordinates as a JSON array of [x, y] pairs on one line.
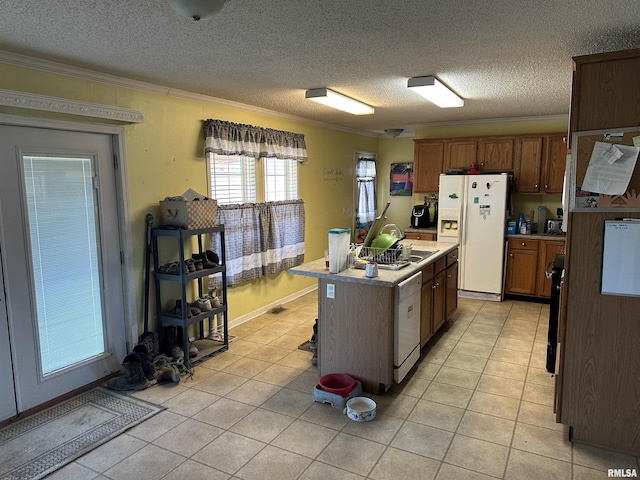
[[356, 313]]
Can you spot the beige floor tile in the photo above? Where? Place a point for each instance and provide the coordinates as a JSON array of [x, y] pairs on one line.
[[477, 455], [382, 429], [190, 402], [500, 386], [394, 404], [518, 334], [538, 361], [584, 473], [224, 413], [423, 440], [509, 343], [296, 359], [305, 382], [261, 321], [542, 441], [521, 324], [274, 462], [351, 453], [488, 339], [452, 472], [253, 392], [263, 336], [538, 394], [457, 377], [247, 367], [305, 438], [241, 347], [291, 342], [411, 386], [510, 356], [268, 353], [219, 362], [323, 414], [396, 464], [190, 470], [496, 405], [487, 427], [281, 326], [600, 459], [436, 415], [289, 402], [485, 329], [475, 349], [148, 463], [114, 451], [278, 375], [525, 466], [540, 376], [160, 392], [506, 370], [229, 452], [220, 383], [302, 331], [243, 330], [426, 370], [448, 394], [157, 425], [322, 471], [488, 319], [200, 373], [188, 437], [538, 415], [263, 425], [465, 362]]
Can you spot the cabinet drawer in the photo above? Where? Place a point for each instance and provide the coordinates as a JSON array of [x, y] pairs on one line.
[[522, 244], [452, 257], [441, 264], [428, 272], [420, 236]]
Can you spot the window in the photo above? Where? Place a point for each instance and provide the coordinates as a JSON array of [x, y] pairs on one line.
[[232, 179]]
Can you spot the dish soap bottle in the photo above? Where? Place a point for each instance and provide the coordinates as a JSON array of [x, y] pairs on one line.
[[520, 225]]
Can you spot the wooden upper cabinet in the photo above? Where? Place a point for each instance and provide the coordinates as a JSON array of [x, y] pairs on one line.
[[495, 154], [613, 80], [555, 160], [428, 164], [528, 163], [460, 154]]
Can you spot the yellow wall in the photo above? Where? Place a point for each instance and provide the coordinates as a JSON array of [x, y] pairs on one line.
[[393, 150], [165, 157]]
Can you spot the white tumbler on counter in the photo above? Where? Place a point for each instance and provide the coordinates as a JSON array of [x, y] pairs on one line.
[[338, 249]]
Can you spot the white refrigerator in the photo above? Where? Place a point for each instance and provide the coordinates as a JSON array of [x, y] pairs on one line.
[[473, 212]]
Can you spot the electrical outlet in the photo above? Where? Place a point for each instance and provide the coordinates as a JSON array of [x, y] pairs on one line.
[[331, 290]]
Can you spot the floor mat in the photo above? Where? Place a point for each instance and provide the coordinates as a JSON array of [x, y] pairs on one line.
[[33, 447]]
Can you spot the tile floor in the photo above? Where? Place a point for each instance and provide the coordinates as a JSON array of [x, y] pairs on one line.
[[478, 405]]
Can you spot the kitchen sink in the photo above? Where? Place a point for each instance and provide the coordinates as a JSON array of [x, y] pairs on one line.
[[418, 256]]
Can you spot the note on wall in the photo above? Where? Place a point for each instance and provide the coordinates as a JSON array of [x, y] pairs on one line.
[[621, 258], [610, 168]]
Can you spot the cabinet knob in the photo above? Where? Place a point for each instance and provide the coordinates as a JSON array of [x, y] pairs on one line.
[[523, 244], [535, 186], [511, 254], [546, 186], [418, 237], [448, 276]]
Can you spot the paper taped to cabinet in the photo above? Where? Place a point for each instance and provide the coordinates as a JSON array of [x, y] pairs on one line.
[[610, 168]]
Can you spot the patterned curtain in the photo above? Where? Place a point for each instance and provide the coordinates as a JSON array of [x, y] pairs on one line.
[[227, 138], [366, 211], [260, 239]]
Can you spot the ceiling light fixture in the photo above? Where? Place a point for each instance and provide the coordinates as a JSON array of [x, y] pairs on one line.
[[197, 9], [393, 132], [435, 91], [335, 100]]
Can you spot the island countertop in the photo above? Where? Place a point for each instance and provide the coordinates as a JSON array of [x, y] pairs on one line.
[[385, 278]]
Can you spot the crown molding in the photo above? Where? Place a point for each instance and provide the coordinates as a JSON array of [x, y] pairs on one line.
[[86, 74], [32, 101], [488, 121]]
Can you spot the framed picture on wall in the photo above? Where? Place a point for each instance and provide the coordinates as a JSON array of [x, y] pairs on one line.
[[401, 179]]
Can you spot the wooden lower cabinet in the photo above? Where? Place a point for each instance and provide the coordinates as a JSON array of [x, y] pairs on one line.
[[522, 263], [426, 309], [451, 287], [439, 298], [548, 250]]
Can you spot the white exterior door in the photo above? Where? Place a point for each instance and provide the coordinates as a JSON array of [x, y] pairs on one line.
[[59, 240]]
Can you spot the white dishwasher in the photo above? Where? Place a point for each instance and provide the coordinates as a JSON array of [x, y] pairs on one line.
[[406, 340]]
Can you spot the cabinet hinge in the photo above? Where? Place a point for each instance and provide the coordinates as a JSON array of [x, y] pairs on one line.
[[115, 162]]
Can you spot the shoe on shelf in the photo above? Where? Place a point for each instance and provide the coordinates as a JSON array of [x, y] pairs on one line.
[[203, 303], [212, 257], [206, 262]]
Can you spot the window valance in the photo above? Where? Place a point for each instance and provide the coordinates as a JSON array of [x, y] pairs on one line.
[[227, 138]]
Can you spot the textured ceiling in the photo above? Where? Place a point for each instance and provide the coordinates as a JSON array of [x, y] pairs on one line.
[[507, 59]]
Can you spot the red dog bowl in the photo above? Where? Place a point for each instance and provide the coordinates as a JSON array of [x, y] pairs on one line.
[[338, 383]]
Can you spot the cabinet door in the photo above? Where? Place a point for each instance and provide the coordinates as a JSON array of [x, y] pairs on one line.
[[495, 154], [420, 236], [555, 160], [451, 293], [528, 165], [460, 154], [428, 165], [548, 250], [521, 272], [426, 312], [439, 286]]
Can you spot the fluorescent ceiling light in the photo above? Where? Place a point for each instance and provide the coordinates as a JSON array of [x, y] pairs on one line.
[[434, 91], [332, 99]]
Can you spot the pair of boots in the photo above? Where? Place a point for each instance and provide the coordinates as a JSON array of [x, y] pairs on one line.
[[140, 372], [173, 349]]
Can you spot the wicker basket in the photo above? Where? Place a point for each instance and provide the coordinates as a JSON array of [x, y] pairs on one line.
[[191, 215]]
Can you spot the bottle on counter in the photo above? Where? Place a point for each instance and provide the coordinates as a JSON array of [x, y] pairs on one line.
[[520, 224]]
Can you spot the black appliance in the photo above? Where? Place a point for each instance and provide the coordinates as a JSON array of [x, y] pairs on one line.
[[422, 217], [557, 267]]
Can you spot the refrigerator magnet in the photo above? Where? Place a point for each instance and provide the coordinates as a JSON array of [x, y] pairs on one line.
[[485, 210], [476, 199]]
